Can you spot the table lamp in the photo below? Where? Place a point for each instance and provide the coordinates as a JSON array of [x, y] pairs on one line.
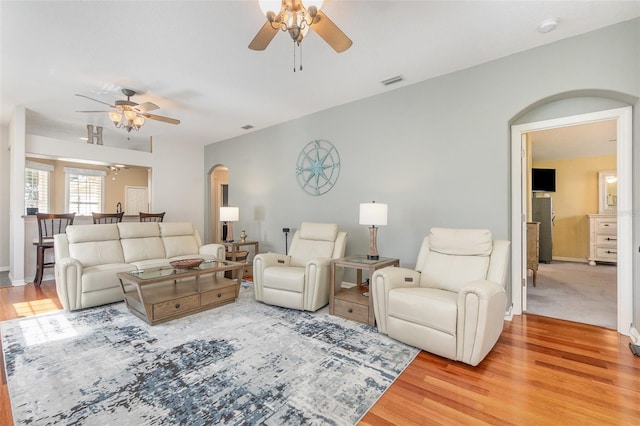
[[229, 215], [373, 214]]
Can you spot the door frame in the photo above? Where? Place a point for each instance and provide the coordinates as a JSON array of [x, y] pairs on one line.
[[624, 120]]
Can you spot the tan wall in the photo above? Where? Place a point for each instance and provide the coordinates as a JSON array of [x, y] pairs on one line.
[[114, 189], [576, 196]]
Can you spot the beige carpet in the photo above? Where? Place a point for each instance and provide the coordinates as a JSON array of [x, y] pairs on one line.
[[575, 292]]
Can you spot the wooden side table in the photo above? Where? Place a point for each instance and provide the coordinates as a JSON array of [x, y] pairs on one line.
[[235, 255], [350, 303]]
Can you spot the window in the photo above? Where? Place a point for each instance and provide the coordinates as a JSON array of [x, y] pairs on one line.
[[85, 190], [36, 185]]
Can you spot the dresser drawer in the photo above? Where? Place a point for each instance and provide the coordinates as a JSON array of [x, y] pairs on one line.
[[351, 310], [606, 240], [607, 254], [175, 306], [220, 296], [606, 225]]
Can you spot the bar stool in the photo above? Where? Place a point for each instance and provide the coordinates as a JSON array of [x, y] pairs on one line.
[[49, 224], [107, 217], [151, 217]]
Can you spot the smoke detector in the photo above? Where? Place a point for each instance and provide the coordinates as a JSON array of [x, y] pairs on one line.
[[548, 25]]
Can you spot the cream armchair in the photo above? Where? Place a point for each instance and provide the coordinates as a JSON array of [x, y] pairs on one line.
[[453, 304], [301, 279]]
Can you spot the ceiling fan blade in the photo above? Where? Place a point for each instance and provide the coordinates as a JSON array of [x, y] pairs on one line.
[[331, 33], [96, 100], [147, 106], [160, 118], [264, 37]]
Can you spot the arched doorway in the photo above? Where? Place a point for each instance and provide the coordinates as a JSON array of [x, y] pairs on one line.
[[623, 116], [218, 197]]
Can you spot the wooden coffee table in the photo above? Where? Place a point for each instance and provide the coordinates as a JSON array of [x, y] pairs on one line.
[[161, 294]]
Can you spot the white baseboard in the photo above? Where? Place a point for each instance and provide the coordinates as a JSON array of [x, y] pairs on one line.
[[508, 316], [570, 259], [4, 268]]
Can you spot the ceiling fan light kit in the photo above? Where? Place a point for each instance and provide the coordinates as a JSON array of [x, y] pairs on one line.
[[130, 115], [294, 17]]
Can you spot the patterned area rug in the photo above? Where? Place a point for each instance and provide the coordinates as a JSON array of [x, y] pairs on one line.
[[243, 363]]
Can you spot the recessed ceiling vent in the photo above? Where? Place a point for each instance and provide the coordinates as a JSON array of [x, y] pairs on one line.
[[247, 127], [392, 80]]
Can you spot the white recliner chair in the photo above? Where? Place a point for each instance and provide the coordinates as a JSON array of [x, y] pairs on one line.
[[453, 303], [300, 280]]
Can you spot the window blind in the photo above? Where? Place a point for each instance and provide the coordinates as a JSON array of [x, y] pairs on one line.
[[36, 188], [84, 191]]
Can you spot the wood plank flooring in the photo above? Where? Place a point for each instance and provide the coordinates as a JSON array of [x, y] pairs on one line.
[[542, 371]]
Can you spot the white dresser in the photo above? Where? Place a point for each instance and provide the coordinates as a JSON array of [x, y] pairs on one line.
[[603, 238]]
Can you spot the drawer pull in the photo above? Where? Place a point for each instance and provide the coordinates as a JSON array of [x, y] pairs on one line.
[[611, 252], [219, 294], [177, 306], [612, 238], [605, 224], [350, 310]]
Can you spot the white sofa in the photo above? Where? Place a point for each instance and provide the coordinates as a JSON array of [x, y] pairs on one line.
[[88, 257]]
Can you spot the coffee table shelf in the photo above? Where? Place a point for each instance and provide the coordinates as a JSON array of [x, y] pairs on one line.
[[162, 294]]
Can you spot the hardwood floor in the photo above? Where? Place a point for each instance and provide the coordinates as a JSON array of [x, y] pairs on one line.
[[542, 371]]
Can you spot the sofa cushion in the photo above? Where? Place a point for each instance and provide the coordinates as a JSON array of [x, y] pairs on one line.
[[284, 278], [461, 242], [137, 249], [429, 307], [92, 253], [318, 231], [86, 233], [179, 238], [101, 277], [138, 229], [452, 272], [303, 251]]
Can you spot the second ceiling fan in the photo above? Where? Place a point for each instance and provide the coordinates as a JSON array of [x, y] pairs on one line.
[[296, 19], [130, 115]]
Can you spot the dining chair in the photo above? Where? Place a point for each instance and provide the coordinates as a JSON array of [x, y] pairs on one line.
[[107, 217], [49, 224], [151, 217]]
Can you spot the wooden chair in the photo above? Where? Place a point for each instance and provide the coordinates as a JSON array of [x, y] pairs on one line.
[[107, 217], [49, 224], [151, 217]]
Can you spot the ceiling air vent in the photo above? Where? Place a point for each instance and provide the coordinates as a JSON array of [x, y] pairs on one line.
[[247, 127], [392, 80]]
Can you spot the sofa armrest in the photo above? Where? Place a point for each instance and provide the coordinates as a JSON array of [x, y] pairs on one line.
[[481, 309], [316, 276], [384, 280], [216, 250], [68, 273], [261, 262]]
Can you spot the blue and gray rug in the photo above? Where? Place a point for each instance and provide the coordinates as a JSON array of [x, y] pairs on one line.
[[244, 363]]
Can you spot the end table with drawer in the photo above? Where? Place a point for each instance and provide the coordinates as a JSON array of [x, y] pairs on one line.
[[350, 303]]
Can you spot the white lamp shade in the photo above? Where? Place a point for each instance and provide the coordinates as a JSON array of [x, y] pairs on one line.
[[229, 214], [373, 214], [270, 6]]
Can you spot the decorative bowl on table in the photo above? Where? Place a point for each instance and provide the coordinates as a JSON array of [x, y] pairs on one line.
[[186, 263]]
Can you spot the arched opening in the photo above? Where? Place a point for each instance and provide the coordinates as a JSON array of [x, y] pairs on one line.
[[218, 194], [556, 112]]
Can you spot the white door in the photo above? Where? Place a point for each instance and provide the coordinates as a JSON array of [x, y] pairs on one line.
[[136, 200]]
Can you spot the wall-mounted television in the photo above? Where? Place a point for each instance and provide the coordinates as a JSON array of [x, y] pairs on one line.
[[543, 180]]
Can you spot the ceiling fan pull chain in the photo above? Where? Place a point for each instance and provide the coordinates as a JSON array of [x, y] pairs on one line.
[[300, 56], [294, 56]]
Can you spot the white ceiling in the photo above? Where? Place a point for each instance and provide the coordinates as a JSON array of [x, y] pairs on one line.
[[584, 140], [191, 57]]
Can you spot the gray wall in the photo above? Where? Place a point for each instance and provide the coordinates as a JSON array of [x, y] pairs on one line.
[[438, 152]]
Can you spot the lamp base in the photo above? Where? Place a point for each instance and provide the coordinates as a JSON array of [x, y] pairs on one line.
[[373, 257]]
